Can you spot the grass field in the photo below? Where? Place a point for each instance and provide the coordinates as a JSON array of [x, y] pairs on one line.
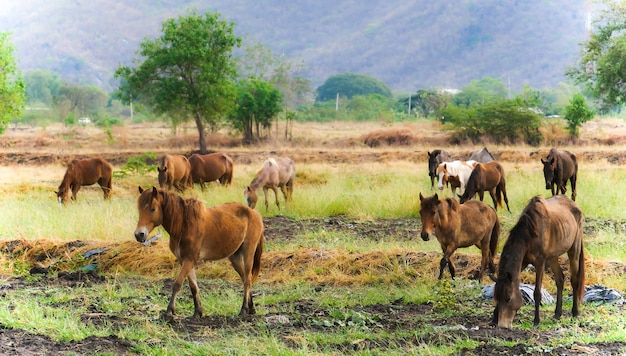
[[344, 268]]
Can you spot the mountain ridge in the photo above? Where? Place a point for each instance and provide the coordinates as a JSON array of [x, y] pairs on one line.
[[406, 44]]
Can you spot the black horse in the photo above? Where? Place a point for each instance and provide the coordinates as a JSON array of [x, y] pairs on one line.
[[435, 158]]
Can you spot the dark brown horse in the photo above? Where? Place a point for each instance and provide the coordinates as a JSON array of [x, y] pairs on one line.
[[487, 177], [197, 233], [546, 229], [558, 168], [85, 172], [174, 170], [211, 167], [457, 226], [435, 158], [275, 173]]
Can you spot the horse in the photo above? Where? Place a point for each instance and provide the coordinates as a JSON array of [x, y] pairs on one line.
[[546, 229], [487, 177], [482, 156], [435, 158], [174, 170], [274, 173], [460, 225], [231, 230], [558, 168], [85, 172], [456, 173], [210, 167]]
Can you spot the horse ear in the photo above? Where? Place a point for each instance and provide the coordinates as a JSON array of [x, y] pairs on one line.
[[140, 189], [421, 196], [154, 192], [436, 197], [543, 161]]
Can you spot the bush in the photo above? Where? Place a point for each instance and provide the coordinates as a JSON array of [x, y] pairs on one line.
[[505, 121]]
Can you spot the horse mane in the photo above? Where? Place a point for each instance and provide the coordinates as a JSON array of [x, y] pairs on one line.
[[179, 214]]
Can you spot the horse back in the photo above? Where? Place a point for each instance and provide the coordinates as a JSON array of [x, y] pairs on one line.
[[226, 228], [89, 171], [466, 223], [209, 167], [569, 164]]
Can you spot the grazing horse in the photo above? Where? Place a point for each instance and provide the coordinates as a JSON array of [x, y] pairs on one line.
[[482, 156], [435, 158], [230, 230], [460, 225], [274, 173], [487, 177], [546, 229], [85, 172], [456, 173], [213, 166], [174, 170], [559, 167]]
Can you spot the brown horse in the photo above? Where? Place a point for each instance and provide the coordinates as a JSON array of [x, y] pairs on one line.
[[211, 167], [230, 230], [85, 172], [174, 170], [456, 226], [546, 229], [487, 177], [558, 168], [275, 173]]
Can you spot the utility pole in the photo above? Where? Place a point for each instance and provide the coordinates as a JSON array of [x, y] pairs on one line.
[[337, 103]]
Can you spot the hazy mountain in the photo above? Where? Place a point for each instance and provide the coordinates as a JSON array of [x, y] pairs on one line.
[[406, 44]]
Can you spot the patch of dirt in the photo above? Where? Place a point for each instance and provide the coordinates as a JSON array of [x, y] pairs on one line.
[[287, 320]]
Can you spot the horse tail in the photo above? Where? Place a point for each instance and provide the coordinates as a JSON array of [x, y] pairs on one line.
[[256, 265], [230, 169]]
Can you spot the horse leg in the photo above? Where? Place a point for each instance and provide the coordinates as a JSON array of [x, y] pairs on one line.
[[492, 193], [484, 249], [266, 202], [75, 189], [559, 278], [275, 189], [572, 182], [539, 270], [446, 260], [186, 267], [193, 285], [105, 184], [238, 261]]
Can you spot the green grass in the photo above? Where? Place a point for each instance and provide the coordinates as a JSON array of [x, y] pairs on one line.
[[132, 304]]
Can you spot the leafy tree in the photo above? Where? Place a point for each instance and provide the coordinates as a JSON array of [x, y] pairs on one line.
[[42, 86], [349, 84], [368, 107], [505, 121], [80, 100], [428, 102], [480, 92], [258, 102], [12, 87], [187, 72], [602, 65], [577, 113]]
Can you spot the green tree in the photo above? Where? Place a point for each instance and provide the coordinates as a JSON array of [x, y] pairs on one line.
[[427, 102], [577, 113], [80, 100], [349, 84], [42, 86], [505, 121], [480, 92], [258, 102], [12, 87], [188, 72], [601, 67]]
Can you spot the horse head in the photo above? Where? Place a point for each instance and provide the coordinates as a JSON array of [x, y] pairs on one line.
[[549, 168], [508, 300], [428, 208], [251, 197], [150, 214]]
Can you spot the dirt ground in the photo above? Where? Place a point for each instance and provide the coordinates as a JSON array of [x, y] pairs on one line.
[[27, 146]]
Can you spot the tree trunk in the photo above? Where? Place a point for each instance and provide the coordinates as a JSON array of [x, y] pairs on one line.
[[201, 138]]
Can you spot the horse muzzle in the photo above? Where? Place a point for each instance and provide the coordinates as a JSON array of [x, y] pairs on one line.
[[425, 236], [141, 234]]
